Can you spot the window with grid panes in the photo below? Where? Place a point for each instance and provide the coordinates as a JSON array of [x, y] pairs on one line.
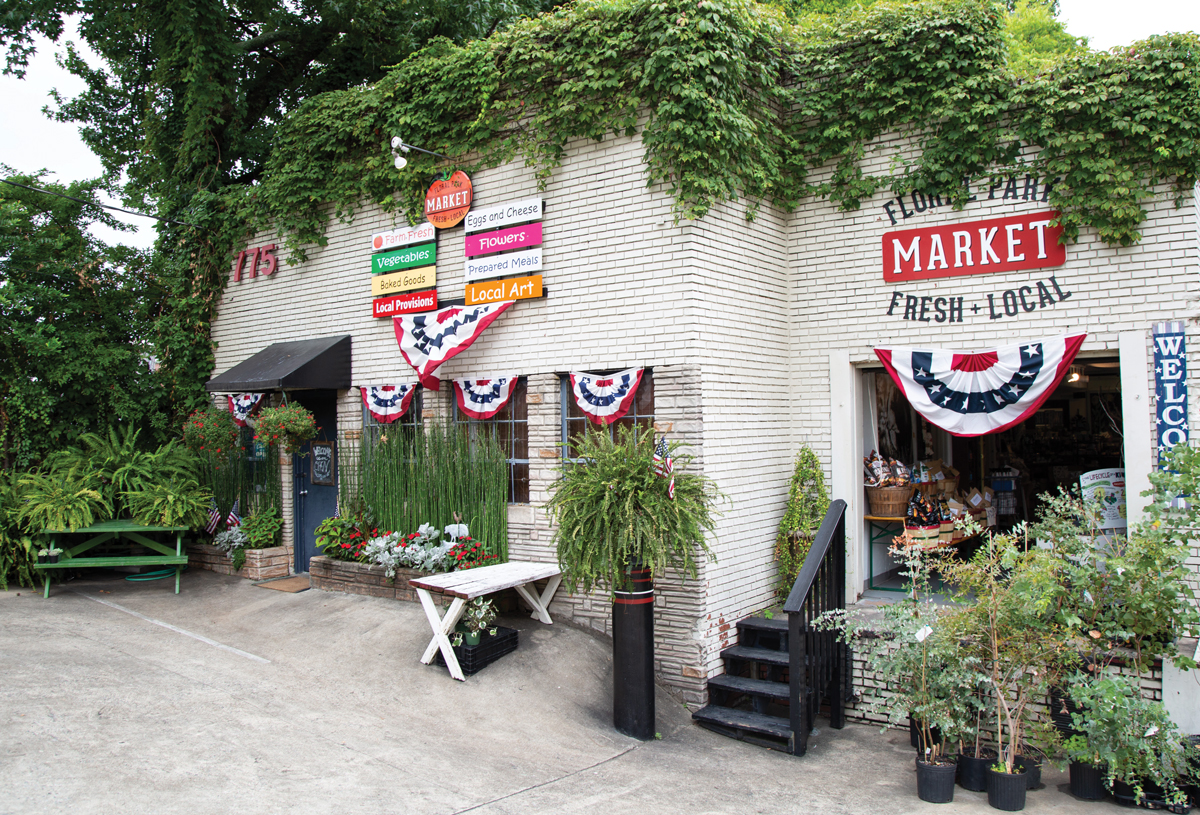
[[373, 428], [575, 423], [510, 429]]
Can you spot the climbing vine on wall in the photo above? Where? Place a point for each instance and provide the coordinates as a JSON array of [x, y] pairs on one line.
[[733, 102]]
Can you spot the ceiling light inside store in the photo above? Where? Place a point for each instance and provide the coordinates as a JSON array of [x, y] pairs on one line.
[[1076, 377]]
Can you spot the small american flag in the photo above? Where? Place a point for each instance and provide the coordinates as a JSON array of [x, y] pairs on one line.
[[214, 517], [663, 466], [234, 519]]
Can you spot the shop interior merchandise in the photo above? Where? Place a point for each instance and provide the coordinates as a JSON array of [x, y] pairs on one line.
[[998, 477]]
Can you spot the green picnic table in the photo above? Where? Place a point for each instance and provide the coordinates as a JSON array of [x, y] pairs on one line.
[[160, 554]]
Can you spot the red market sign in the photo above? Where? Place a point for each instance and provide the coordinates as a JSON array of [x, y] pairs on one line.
[[1011, 244], [409, 303], [448, 200], [503, 239]]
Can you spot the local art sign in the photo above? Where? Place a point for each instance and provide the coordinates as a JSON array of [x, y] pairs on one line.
[[1010, 244], [495, 291], [448, 200], [1170, 386]]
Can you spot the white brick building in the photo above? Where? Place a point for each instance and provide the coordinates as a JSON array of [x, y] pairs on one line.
[[759, 336]]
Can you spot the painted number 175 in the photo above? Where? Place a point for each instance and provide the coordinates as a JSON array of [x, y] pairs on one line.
[[259, 254]]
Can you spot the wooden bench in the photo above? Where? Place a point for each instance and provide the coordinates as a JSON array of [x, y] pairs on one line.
[[467, 585], [160, 553]]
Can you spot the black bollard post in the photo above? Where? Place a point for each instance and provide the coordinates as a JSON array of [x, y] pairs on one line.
[[633, 656]]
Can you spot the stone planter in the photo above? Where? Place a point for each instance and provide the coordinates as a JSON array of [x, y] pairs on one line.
[[261, 564], [361, 578]]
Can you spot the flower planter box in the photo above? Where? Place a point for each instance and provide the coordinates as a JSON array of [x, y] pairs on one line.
[[362, 578], [261, 564]]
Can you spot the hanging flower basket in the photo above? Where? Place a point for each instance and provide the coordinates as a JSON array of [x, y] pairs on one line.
[[210, 432], [288, 426]]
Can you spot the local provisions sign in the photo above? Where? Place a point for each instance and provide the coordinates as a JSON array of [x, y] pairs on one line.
[[497, 291], [1170, 387], [1010, 244], [410, 303], [398, 259], [448, 200]]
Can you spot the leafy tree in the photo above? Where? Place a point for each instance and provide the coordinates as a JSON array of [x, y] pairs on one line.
[[76, 317], [1037, 39]]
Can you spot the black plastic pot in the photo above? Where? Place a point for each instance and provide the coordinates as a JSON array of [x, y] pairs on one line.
[[1152, 797], [43, 558], [935, 782], [1087, 781], [52, 558], [1032, 769], [972, 771], [1006, 791]]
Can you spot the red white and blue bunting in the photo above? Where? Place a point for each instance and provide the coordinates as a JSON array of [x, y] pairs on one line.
[[387, 403], [484, 398], [604, 398], [973, 394], [428, 340], [242, 405]]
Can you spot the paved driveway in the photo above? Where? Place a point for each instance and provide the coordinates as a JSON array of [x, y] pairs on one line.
[[125, 698]]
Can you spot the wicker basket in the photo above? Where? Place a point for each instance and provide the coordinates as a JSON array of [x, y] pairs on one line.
[[924, 535], [889, 502]]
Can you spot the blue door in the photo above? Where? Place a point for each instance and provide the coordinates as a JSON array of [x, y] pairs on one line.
[[314, 468]]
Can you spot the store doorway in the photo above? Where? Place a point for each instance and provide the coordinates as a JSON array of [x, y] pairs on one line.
[[314, 469], [1078, 430]]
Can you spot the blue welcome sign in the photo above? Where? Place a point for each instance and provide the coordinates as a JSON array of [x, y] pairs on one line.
[[1170, 386]]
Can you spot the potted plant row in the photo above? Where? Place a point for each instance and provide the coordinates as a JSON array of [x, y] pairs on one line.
[[1061, 607]]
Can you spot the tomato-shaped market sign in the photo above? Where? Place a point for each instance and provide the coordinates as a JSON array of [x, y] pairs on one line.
[[448, 200]]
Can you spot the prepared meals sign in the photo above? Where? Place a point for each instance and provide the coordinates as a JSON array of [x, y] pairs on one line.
[[481, 268], [1011, 244]]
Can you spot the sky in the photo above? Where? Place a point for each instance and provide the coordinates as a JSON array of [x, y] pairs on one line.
[[29, 141]]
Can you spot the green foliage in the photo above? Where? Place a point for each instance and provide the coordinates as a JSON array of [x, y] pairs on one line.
[[262, 529], [478, 617], [345, 538], [77, 320], [211, 433], [18, 550], [925, 669], [611, 511], [169, 503], [807, 503], [430, 475], [1037, 41], [60, 502], [1132, 736], [287, 426]]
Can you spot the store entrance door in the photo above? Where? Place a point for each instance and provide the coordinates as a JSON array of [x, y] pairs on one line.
[[315, 474]]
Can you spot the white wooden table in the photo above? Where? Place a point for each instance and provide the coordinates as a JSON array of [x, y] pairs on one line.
[[467, 585]]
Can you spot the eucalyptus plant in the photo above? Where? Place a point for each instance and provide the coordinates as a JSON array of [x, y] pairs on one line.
[[611, 511]]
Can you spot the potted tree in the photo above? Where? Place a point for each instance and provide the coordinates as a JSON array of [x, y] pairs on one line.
[[807, 503], [925, 674], [616, 526]]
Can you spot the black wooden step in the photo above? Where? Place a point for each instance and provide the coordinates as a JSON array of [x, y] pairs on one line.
[[768, 656], [776, 625], [739, 723], [751, 687]]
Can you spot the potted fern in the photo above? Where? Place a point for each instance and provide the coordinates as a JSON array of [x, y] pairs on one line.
[[616, 527]]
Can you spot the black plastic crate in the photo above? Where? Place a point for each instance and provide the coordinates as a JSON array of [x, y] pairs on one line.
[[474, 658]]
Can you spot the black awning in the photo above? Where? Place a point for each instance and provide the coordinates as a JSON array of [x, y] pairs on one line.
[[299, 365]]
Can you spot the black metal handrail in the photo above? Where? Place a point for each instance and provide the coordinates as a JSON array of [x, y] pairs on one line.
[[816, 658]]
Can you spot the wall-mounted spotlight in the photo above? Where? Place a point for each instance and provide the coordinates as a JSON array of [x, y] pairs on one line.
[[401, 161]]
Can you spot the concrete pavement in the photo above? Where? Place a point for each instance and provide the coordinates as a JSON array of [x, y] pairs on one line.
[[232, 698]]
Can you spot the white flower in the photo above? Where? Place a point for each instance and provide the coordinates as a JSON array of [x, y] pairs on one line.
[[923, 633], [1153, 729], [1120, 570], [1087, 595]]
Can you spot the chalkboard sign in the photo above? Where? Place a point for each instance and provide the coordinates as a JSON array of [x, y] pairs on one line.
[[322, 463]]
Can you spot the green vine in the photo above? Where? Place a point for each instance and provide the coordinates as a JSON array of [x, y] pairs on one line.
[[808, 500], [733, 102]]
